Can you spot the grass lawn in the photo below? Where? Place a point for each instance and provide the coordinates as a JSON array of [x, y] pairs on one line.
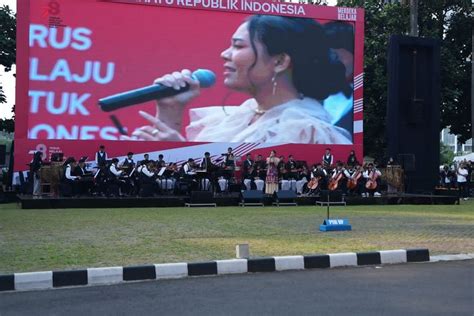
[[36, 240]]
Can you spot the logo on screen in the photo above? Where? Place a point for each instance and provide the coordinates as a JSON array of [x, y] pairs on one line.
[[51, 11]]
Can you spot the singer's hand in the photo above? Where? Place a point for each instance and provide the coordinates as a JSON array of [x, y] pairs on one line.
[[178, 80], [159, 131]]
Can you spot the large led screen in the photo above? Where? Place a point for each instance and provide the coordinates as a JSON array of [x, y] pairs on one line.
[[276, 75]]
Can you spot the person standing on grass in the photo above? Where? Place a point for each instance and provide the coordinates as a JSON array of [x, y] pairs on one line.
[[462, 181]]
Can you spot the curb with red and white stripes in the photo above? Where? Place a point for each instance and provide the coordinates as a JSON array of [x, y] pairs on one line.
[[112, 275]]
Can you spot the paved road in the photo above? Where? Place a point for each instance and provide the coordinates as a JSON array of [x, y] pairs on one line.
[[444, 288]]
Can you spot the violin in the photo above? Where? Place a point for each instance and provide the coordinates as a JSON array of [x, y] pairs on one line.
[[334, 182], [352, 183], [371, 183]]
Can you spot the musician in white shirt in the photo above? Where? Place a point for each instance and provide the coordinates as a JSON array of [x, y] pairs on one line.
[[372, 174], [69, 178]]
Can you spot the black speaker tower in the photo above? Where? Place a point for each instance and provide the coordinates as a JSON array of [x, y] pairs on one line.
[[413, 110]]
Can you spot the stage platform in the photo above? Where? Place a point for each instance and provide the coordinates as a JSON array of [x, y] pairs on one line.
[[232, 199]]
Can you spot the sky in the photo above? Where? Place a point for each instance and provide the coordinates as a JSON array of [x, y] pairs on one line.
[[8, 81]]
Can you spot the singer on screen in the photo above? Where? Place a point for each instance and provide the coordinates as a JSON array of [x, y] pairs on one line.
[[284, 65]]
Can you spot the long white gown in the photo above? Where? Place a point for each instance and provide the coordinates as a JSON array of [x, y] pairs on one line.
[[301, 121]]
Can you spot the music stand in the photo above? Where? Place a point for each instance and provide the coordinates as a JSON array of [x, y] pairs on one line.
[[332, 224]]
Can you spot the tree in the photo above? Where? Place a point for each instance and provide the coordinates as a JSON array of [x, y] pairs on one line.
[[447, 20], [446, 155], [7, 53], [7, 42]]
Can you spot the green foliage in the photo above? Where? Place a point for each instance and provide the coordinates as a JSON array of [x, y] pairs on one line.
[[7, 42], [7, 125], [450, 21], [446, 155]]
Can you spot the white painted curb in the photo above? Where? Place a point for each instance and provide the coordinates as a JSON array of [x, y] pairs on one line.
[[231, 266], [343, 259], [171, 270], [393, 256], [34, 280], [107, 275], [289, 263], [461, 256]]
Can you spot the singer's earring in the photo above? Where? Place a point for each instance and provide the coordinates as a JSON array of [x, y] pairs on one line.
[[274, 84]]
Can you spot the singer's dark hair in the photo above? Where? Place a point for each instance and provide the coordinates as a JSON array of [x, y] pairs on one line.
[[305, 41]]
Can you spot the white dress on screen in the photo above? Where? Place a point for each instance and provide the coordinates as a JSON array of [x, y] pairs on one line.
[[302, 121]]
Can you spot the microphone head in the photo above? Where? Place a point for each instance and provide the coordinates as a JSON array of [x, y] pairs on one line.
[[205, 77]]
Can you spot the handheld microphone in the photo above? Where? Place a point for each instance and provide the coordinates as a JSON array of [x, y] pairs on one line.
[[205, 77]]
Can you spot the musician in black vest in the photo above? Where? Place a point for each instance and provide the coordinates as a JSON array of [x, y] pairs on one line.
[[328, 159], [118, 177], [247, 170], [207, 177], [86, 181], [353, 174], [128, 163], [146, 159], [101, 157]]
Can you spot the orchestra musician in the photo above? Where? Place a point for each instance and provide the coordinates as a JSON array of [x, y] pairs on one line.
[[259, 173], [352, 159], [167, 176], [372, 176], [229, 160], [188, 169], [248, 167], [101, 157], [328, 159], [118, 177], [161, 162], [146, 158], [291, 173], [86, 181], [128, 163], [302, 176], [355, 183], [337, 179], [189, 174], [207, 168], [318, 179], [260, 167], [147, 172], [282, 174], [271, 180], [69, 178]]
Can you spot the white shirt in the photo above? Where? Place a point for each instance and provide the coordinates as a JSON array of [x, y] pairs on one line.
[[367, 175], [324, 172], [336, 172], [114, 170], [462, 175], [302, 121], [147, 172], [188, 170], [68, 173]]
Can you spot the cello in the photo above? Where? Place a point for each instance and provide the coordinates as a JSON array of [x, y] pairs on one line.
[[313, 183], [334, 182], [352, 183], [371, 183]]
